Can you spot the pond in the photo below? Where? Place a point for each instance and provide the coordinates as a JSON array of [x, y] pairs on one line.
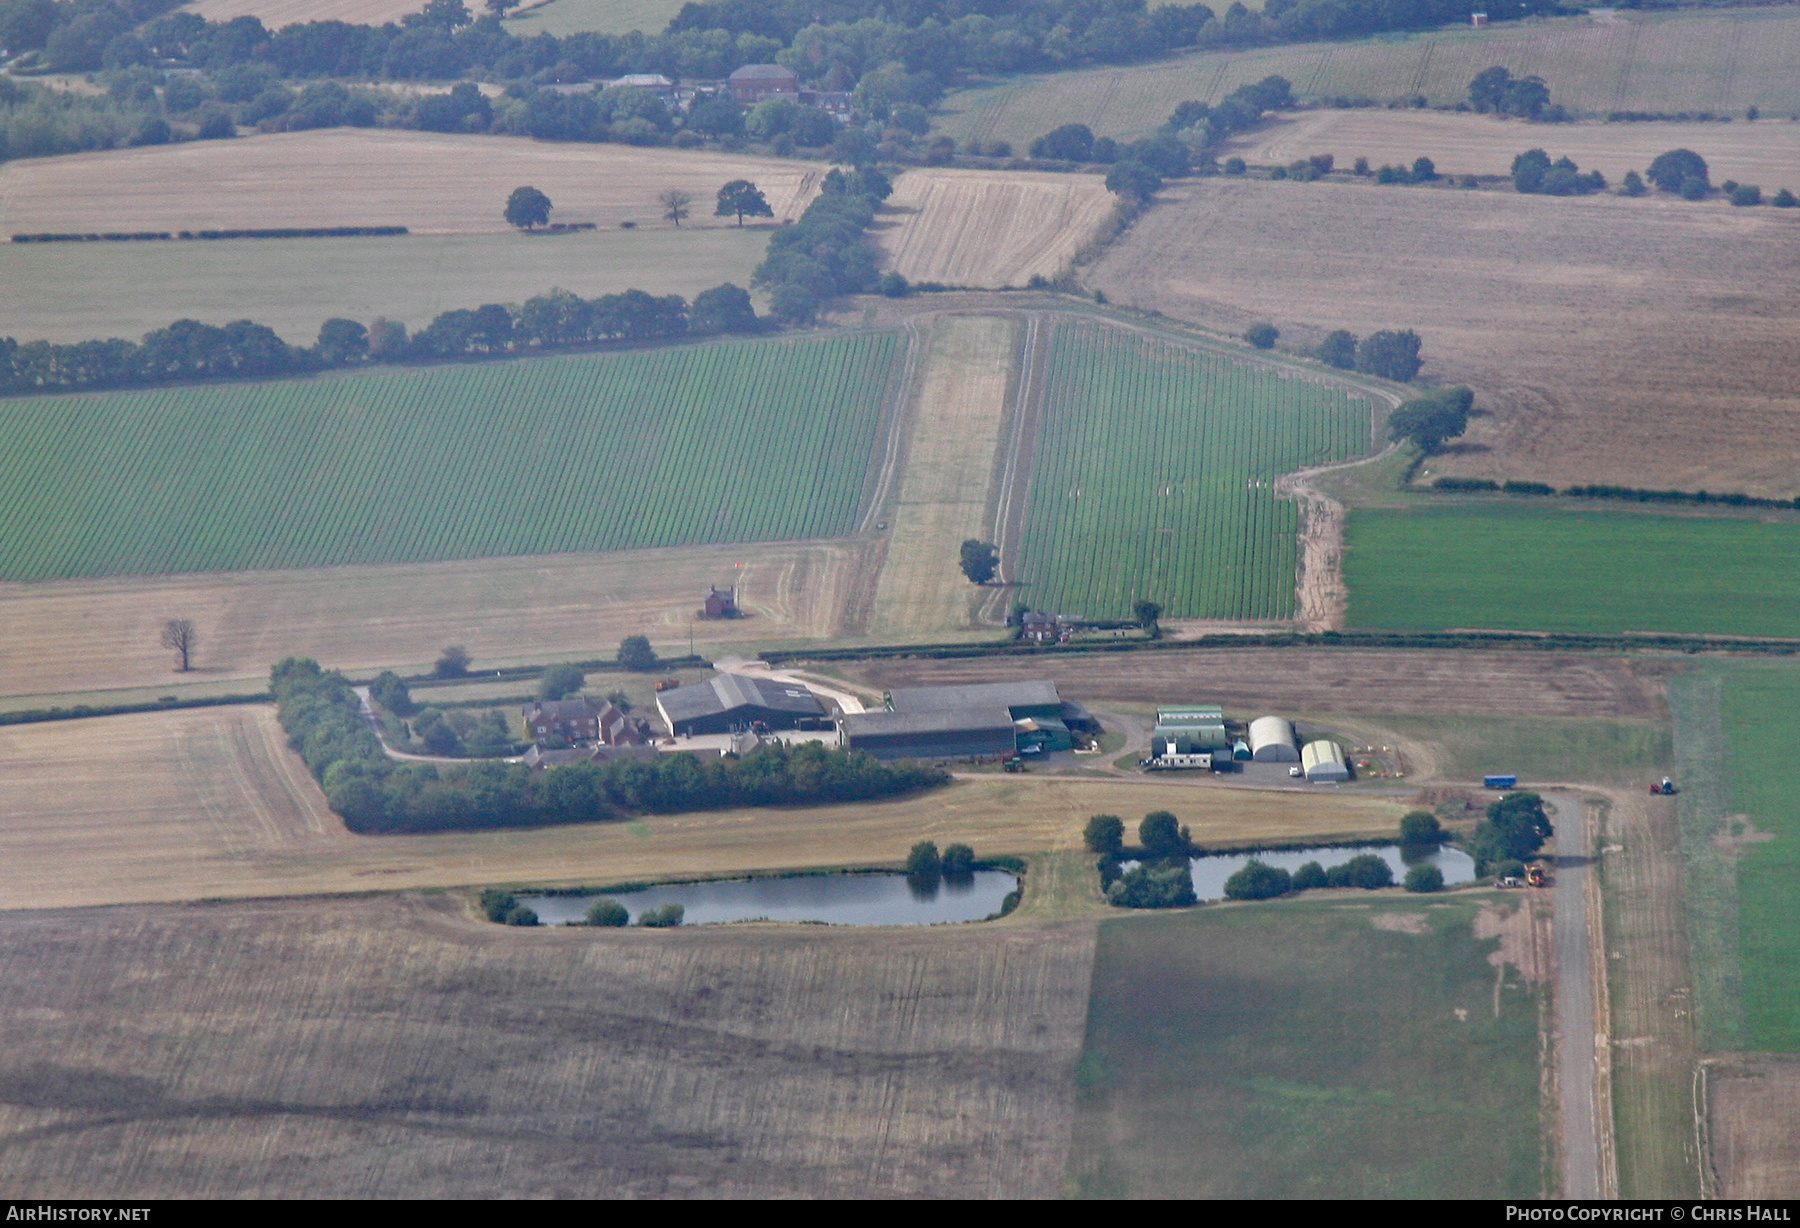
[[1211, 872], [836, 899]]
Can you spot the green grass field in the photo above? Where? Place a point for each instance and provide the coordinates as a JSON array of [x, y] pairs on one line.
[[1721, 61], [1762, 726], [1542, 748], [1548, 568], [1293, 1050], [738, 441], [565, 17], [79, 291], [1154, 478]]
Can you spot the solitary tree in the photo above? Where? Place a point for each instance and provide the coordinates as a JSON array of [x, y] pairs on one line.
[[1672, 170], [1147, 612], [178, 634], [675, 204], [1389, 354], [1104, 833], [743, 198], [635, 653], [1431, 420], [1134, 181], [1262, 336], [1161, 835], [453, 662], [980, 560], [1420, 827], [527, 208], [923, 862]]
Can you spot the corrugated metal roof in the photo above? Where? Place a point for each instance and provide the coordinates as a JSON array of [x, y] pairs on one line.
[[976, 695], [1271, 730], [724, 692], [763, 72], [1315, 753], [1191, 715], [959, 720]]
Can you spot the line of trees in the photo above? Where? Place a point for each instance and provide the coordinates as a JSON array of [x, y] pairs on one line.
[[323, 721], [1629, 493], [826, 253], [189, 350]]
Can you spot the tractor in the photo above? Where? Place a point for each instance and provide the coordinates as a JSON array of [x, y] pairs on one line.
[[1665, 789]]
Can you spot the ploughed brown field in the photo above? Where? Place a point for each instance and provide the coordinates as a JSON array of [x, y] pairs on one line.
[[83, 635], [1766, 153], [1360, 681], [433, 183], [397, 1047], [1645, 342]]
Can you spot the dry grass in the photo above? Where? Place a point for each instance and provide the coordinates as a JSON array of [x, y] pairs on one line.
[[71, 291], [1636, 342], [392, 1047], [433, 183], [1754, 1112], [86, 635], [1721, 61], [1766, 153], [278, 13], [1301, 680], [960, 404], [565, 17], [991, 229], [174, 806]]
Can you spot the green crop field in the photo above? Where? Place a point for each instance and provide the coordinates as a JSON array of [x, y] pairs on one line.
[[1762, 726], [1295, 1050], [1533, 567], [737, 441], [1154, 478], [1722, 61], [565, 17]]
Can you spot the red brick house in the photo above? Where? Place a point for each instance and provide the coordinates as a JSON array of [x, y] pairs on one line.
[[582, 720], [754, 83]]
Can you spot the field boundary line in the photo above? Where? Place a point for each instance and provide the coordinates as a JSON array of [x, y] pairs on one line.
[[1011, 498], [1605, 1124], [903, 397]]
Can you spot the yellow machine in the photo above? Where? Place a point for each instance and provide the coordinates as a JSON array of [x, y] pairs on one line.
[[1534, 875]]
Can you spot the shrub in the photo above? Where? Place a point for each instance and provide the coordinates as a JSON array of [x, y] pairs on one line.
[[959, 861], [1309, 877], [1365, 870], [608, 912], [1153, 885], [923, 861], [1671, 171], [1105, 833], [1339, 349], [1424, 878], [1421, 827], [521, 916], [1361, 167], [1424, 170], [635, 654], [1746, 194], [1262, 336], [1161, 836], [1785, 199], [1258, 880], [1510, 868], [893, 285], [1235, 166], [1134, 180], [1069, 143], [453, 662], [1392, 174], [1389, 354], [391, 693], [496, 902], [1693, 189], [1632, 184], [667, 917], [560, 680]]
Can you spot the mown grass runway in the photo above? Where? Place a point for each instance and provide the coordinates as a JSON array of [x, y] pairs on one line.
[[733, 442], [1155, 478], [1546, 568]]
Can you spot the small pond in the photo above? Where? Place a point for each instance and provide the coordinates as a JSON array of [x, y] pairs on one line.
[[837, 899], [1211, 872]]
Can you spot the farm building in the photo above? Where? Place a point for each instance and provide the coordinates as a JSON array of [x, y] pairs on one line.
[[1036, 735], [543, 760], [753, 83], [582, 720], [720, 603], [1324, 761], [1272, 740], [729, 702], [1037, 628], [650, 82], [962, 733], [1021, 699], [1190, 729]]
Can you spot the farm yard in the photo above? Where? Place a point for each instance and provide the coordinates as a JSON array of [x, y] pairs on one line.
[[1154, 477], [219, 808], [1643, 343], [72, 291], [1314, 1050], [735, 441], [395, 1046], [1525, 567], [1723, 61], [432, 183], [1766, 153], [991, 229], [68, 638]]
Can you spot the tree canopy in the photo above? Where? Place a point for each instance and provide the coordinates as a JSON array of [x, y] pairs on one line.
[[1671, 171], [1104, 833], [1431, 420], [1497, 91], [741, 197], [527, 208], [1515, 828], [979, 560], [636, 654], [560, 680], [1389, 354]]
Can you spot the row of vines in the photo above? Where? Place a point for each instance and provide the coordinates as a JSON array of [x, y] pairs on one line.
[[740, 441], [1155, 478]]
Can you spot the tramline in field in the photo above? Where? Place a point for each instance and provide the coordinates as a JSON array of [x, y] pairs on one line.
[[738, 441], [1155, 478]]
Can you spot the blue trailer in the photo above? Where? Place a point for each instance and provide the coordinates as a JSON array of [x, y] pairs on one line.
[[1504, 781]]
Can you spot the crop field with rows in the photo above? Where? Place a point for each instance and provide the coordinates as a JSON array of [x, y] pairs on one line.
[[1544, 568], [733, 442], [1155, 473]]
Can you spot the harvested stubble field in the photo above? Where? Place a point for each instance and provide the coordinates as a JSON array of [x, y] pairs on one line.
[[991, 229], [964, 376], [1723, 61], [1643, 343], [1525, 566], [1766, 153], [1154, 477], [433, 183], [275, 14], [81, 291], [394, 1047], [1754, 1124], [1337, 1049], [73, 636], [208, 803], [1299, 680], [565, 17], [733, 441]]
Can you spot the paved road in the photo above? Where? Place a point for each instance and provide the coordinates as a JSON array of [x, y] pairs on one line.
[[1575, 1000]]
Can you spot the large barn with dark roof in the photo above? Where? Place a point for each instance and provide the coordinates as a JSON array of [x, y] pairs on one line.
[[725, 703]]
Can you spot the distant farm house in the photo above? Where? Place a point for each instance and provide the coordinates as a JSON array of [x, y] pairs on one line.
[[754, 83], [1038, 628], [650, 82], [1478, 20], [582, 720], [720, 603]]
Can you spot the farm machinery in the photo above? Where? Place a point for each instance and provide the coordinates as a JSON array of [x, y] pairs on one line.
[[1665, 789]]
